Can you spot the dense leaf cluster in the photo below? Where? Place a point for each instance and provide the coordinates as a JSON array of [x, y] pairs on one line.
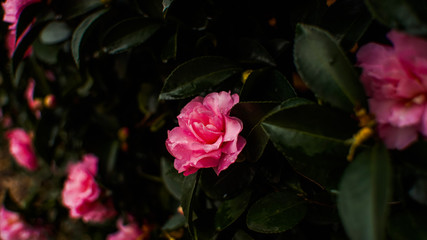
[[133, 64]]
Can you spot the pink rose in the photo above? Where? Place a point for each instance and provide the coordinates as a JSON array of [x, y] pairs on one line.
[[395, 79], [81, 193], [131, 231], [21, 148], [207, 136], [13, 227]]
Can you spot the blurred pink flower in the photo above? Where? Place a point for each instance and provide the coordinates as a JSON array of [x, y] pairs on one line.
[[395, 79], [81, 193], [130, 231], [34, 104], [21, 148], [13, 227], [12, 11], [207, 136]]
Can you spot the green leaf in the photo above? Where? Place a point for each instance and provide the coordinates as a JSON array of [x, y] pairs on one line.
[[230, 210], [408, 15], [170, 49], [197, 75], [308, 134], [251, 51], [276, 212], [26, 17], [364, 192], [175, 222], [189, 190], [79, 36], [55, 32], [251, 114], [351, 25], [78, 7], [266, 85], [325, 69], [46, 53], [129, 33], [171, 178]]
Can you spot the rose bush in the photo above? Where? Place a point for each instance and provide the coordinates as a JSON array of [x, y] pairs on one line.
[[207, 137], [292, 130], [395, 79]]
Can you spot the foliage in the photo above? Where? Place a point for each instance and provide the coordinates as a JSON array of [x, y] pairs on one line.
[[121, 70]]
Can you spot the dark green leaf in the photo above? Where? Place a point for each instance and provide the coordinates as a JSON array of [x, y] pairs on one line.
[[55, 32], [354, 19], [325, 69], [276, 212], [80, 34], [26, 17], [170, 49], [197, 75], [25, 42], [175, 222], [408, 15], [251, 51], [241, 235], [308, 134], [230, 210], [171, 178], [364, 192], [266, 85], [189, 190], [219, 187], [46, 53], [251, 114], [78, 7], [128, 33]]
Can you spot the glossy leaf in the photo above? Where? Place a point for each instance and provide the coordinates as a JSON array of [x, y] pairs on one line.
[[78, 7], [251, 51], [26, 17], [408, 15], [276, 212], [55, 32], [266, 85], [230, 210], [307, 134], [172, 179], [80, 34], [189, 190], [128, 33], [364, 192], [325, 69], [197, 75]]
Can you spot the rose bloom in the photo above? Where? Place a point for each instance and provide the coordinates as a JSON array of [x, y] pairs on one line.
[[21, 148], [395, 79], [207, 136], [81, 192], [130, 231], [13, 227]]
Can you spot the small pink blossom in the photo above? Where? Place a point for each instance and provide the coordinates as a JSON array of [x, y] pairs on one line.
[[13, 227], [130, 231], [207, 136], [34, 104], [21, 148], [81, 193], [395, 80]]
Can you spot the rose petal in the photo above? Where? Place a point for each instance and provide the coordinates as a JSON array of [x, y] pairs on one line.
[[397, 138]]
